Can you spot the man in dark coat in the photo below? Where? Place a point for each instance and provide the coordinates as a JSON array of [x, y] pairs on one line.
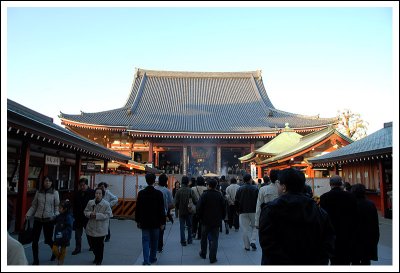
[[150, 218], [211, 209], [367, 236], [293, 230], [246, 203], [341, 207], [81, 198]]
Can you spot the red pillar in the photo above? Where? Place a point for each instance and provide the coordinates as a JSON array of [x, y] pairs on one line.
[[78, 163], [260, 175], [22, 206], [150, 152], [157, 163], [105, 168], [382, 187]]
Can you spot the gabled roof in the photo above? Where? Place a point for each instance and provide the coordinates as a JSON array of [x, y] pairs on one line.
[[197, 102], [306, 142], [43, 126], [288, 138], [378, 143]]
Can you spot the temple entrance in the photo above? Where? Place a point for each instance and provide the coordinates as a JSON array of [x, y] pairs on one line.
[[230, 164], [170, 161], [202, 160]]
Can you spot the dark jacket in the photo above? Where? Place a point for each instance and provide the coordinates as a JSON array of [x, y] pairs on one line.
[[150, 212], [223, 185], [63, 229], [211, 208], [181, 200], [367, 236], [341, 207], [246, 199], [81, 198], [295, 231]]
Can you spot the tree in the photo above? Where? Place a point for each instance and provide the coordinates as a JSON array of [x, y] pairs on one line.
[[351, 124]]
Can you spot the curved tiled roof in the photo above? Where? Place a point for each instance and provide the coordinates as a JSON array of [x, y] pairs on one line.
[[306, 142], [377, 143], [288, 138], [42, 125], [202, 102]]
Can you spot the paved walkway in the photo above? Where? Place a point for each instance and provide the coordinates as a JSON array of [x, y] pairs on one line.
[[124, 248]]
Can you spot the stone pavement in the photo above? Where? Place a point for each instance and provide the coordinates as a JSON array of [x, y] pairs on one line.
[[124, 248]]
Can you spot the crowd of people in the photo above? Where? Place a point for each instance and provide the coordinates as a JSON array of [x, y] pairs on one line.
[[291, 227], [91, 212]]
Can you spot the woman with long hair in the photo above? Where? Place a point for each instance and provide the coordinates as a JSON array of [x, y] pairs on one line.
[[44, 209]]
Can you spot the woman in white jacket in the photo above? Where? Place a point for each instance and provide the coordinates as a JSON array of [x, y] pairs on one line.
[[44, 208], [99, 212]]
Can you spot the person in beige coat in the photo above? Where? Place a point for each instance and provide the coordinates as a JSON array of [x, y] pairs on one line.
[[44, 209], [99, 212], [267, 194]]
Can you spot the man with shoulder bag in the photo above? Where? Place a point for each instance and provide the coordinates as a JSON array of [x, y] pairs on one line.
[[181, 203]]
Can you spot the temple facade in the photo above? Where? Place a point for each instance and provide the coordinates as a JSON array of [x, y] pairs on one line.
[[368, 161], [192, 122], [290, 149]]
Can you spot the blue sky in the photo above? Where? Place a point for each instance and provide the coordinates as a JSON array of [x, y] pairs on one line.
[[313, 60]]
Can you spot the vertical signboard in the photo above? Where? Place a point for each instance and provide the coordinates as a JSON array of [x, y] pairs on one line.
[[253, 170]]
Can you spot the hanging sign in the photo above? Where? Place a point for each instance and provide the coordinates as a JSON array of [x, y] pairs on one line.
[[52, 160], [90, 166], [253, 169]]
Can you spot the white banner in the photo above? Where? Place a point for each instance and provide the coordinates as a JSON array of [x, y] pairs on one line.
[[253, 169]]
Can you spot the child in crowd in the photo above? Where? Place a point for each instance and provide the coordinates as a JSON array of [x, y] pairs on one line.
[[62, 231]]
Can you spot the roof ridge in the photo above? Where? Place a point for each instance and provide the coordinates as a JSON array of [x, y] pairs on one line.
[[198, 74], [100, 112], [266, 108], [299, 115], [139, 93], [15, 106]]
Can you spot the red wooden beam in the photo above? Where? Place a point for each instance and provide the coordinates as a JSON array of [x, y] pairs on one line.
[[22, 206]]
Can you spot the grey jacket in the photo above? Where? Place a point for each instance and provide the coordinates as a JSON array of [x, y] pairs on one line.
[[97, 227], [182, 200]]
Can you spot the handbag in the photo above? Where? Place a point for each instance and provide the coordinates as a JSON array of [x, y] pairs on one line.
[[26, 235], [191, 206]]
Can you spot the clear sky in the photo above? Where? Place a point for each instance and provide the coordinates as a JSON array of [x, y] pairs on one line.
[[313, 60]]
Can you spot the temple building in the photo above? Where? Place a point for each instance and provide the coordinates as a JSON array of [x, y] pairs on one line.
[[368, 161], [290, 149], [36, 148], [192, 122]]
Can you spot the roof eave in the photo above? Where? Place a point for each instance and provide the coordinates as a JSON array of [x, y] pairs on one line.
[[378, 152], [17, 119]]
